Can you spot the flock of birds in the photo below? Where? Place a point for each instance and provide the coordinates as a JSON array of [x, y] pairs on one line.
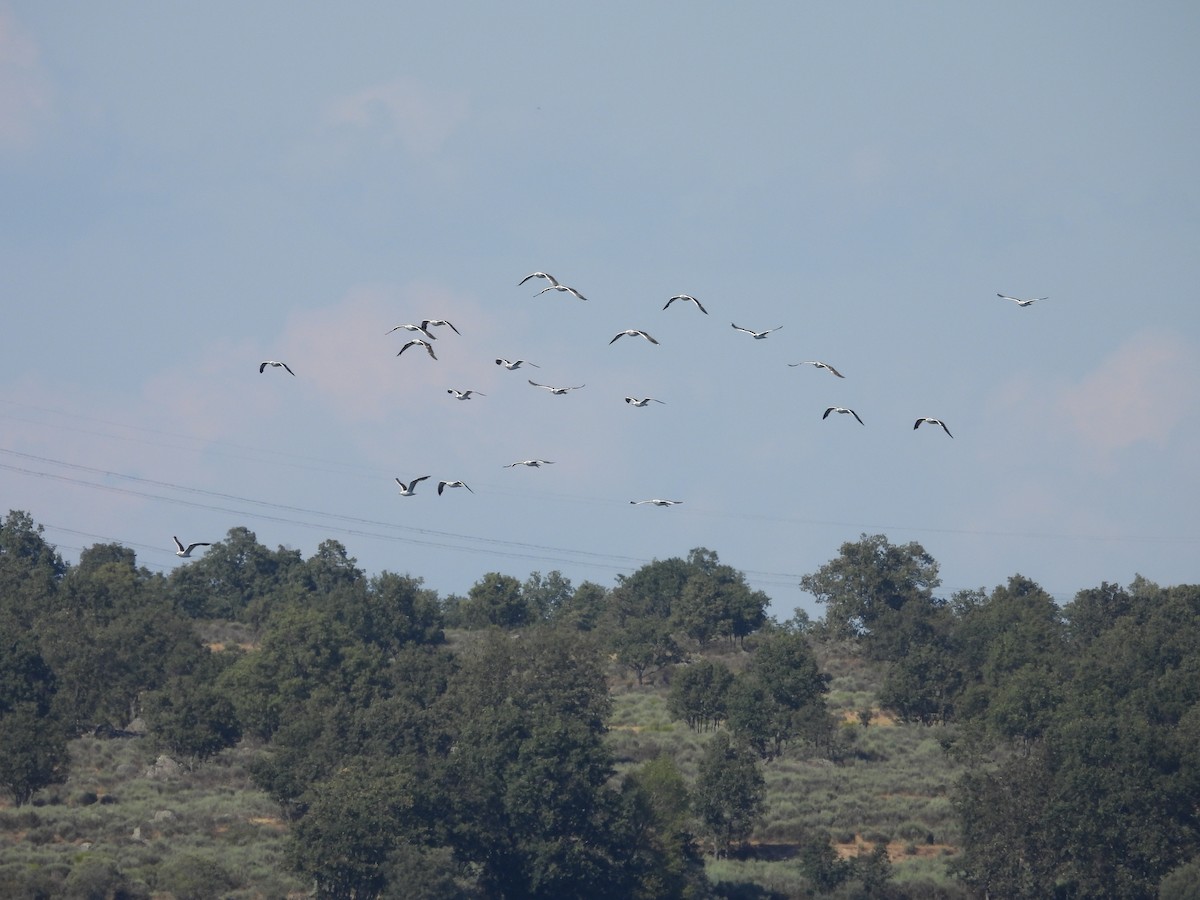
[[425, 326]]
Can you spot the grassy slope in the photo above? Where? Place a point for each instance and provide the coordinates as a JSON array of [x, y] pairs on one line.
[[892, 786], [190, 832]]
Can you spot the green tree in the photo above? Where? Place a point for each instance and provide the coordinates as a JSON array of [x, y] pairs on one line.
[[528, 781], [1100, 799], [584, 609], [868, 583], [33, 736], [698, 694], [715, 601], [193, 719], [780, 696], [656, 811], [729, 793], [645, 646], [358, 818], [546, 594], [30, 570], [495, 600], [236, 578]]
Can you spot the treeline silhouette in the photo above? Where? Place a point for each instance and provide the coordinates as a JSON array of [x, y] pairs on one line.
[[410, 765]]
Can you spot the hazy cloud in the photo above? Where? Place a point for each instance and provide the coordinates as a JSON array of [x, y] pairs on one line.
[[419, 117], [1139, 392], [24, 91]]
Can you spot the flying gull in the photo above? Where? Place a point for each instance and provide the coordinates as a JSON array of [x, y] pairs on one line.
[[633, 332], [426, 323], [534, 463], [561, 287], [1020, 302], [428, 346], [656, 502], [843, 410], [758, 335], [184, 552], [820, 365], [274, 362], [464, 395], [550, 278], [642, 401], [556, 390], [931, 421], [689, 299], [515, 364], [407, 490], [442, 485], [423, 328]]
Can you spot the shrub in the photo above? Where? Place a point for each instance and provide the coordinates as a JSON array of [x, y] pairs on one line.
[[191, 876]]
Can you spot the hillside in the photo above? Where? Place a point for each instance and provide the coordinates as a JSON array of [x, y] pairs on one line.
[[127, 818]]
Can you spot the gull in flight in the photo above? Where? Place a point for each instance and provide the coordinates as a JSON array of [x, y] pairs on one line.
[[556, 390], [688, 298], [843, 410], [426, 323], [656, 502], [534, 463], [423, 328], [274, 362], [442, 485], [931, 421], [820, 365], [758, 335], [1021, 302], [428, 346], [184, 552], [515, 364], [555, 285], [561, 287], [633, 332], [407, 490], [643, 401], [464, 395]]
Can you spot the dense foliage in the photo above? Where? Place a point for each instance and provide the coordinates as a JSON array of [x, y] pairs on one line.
[[407, 764]]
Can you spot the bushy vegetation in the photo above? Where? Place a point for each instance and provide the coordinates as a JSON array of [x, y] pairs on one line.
[[257, 724]]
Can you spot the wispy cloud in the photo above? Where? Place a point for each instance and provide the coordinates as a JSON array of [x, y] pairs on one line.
[[24, 90], [1139, 393]]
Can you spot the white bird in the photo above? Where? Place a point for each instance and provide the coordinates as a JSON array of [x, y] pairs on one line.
[[426, 323], [535, 463], [407, 490], [931, 421], [656, 502], [820, 365], [274, 362], [633, 332], [550, 278], [643, 401], [1021, 302], [556, 390], [561, 287], [758, 335], [423, 328], [428, 346], [442, 485], [464, 395], [184, 552], [515, 364], [843, 410], [689, 299]]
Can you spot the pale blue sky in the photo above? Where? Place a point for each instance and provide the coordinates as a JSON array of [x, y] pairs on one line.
[[191, 189]]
